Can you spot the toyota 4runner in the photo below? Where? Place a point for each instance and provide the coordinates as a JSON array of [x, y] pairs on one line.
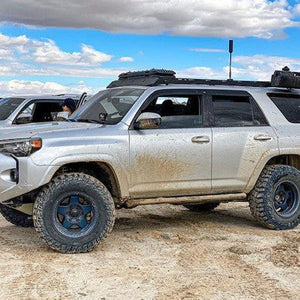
[[153, 138]]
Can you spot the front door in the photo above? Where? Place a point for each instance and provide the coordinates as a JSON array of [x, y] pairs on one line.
[[174, 159]]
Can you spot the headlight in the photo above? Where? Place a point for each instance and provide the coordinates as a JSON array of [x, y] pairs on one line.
[[20, 147]]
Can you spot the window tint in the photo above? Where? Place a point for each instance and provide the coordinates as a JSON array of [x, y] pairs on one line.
[[233, 111], [289, 105], [39, 112], [43, 111], [177, 111]]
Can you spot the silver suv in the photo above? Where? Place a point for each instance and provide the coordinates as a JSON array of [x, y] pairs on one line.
[[152, 138]]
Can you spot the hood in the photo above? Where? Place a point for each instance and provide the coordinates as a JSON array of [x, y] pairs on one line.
[[29, 130]]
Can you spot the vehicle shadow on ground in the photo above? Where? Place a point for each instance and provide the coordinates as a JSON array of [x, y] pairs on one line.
[[182, 218]]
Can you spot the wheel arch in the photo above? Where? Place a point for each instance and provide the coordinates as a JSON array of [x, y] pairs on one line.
[[292, 160], [103, 171]]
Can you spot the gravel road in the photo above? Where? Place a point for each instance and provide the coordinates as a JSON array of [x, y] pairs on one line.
[[158, 252]]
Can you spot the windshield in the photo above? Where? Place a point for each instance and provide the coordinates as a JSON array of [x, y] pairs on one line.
[[108, 106], [8, 106]]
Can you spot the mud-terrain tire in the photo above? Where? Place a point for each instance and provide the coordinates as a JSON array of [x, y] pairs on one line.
[[16, 217], [73, 213], [202, 207], [275, 200]]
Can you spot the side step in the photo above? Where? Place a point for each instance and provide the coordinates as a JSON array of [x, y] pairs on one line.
[[187, 199]]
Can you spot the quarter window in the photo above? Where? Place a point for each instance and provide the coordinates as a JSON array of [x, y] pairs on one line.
[[289, 105]]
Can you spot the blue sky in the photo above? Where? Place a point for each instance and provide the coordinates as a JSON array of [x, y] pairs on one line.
[[52, 46]]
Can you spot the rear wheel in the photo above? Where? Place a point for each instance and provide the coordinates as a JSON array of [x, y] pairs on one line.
[[73, 213], [275, 199], [202, 207]]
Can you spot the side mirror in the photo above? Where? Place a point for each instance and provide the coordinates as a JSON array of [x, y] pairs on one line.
[[23, 119], [147, 120]]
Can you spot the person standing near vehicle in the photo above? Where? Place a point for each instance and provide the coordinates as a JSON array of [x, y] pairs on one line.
[[69, 106]]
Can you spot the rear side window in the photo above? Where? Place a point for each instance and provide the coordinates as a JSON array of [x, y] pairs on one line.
[[289, 105], [236, 111]]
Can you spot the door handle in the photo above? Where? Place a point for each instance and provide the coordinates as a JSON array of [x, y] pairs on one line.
[[262, 137], [200, 139]]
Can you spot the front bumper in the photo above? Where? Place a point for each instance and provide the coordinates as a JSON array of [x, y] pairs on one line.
[[8, 167], [29, 176]]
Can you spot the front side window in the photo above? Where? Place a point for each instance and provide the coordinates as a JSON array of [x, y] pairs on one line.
[[108, 106], [236, 111], [177, 111], [8, 106], [289, 105], [43, 111]]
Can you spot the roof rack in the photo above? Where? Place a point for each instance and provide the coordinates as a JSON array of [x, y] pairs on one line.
[[144, 78], [155, 77], [286, 78]]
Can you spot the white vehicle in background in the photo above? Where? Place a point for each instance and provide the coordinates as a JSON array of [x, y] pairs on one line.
[[34, 109]]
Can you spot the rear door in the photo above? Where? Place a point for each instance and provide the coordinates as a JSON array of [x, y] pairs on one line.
[[241, 137]]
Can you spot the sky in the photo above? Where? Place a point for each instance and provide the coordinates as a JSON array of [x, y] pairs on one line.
[[75, 46]]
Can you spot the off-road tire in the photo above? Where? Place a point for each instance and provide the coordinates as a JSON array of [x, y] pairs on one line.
[[16, 217], [202, 207], [49, 202], [262, 199]]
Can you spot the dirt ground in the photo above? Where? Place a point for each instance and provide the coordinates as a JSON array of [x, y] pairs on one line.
[[158, 252]]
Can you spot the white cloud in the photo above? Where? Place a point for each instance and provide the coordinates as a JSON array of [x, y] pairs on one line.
[[126, 59], [19, 42], [260, 67], [18, 69], [257, 67], [22, 87], [227, 18], [48, 52], [5, 54], [296, 10], [21, 56], [201, 72], [208, 50]]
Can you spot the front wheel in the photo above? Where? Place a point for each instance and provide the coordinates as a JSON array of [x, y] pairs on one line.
[[275, 200], [73, 213]]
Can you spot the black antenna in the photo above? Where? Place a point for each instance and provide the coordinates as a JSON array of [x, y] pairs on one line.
[[230, 56]]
